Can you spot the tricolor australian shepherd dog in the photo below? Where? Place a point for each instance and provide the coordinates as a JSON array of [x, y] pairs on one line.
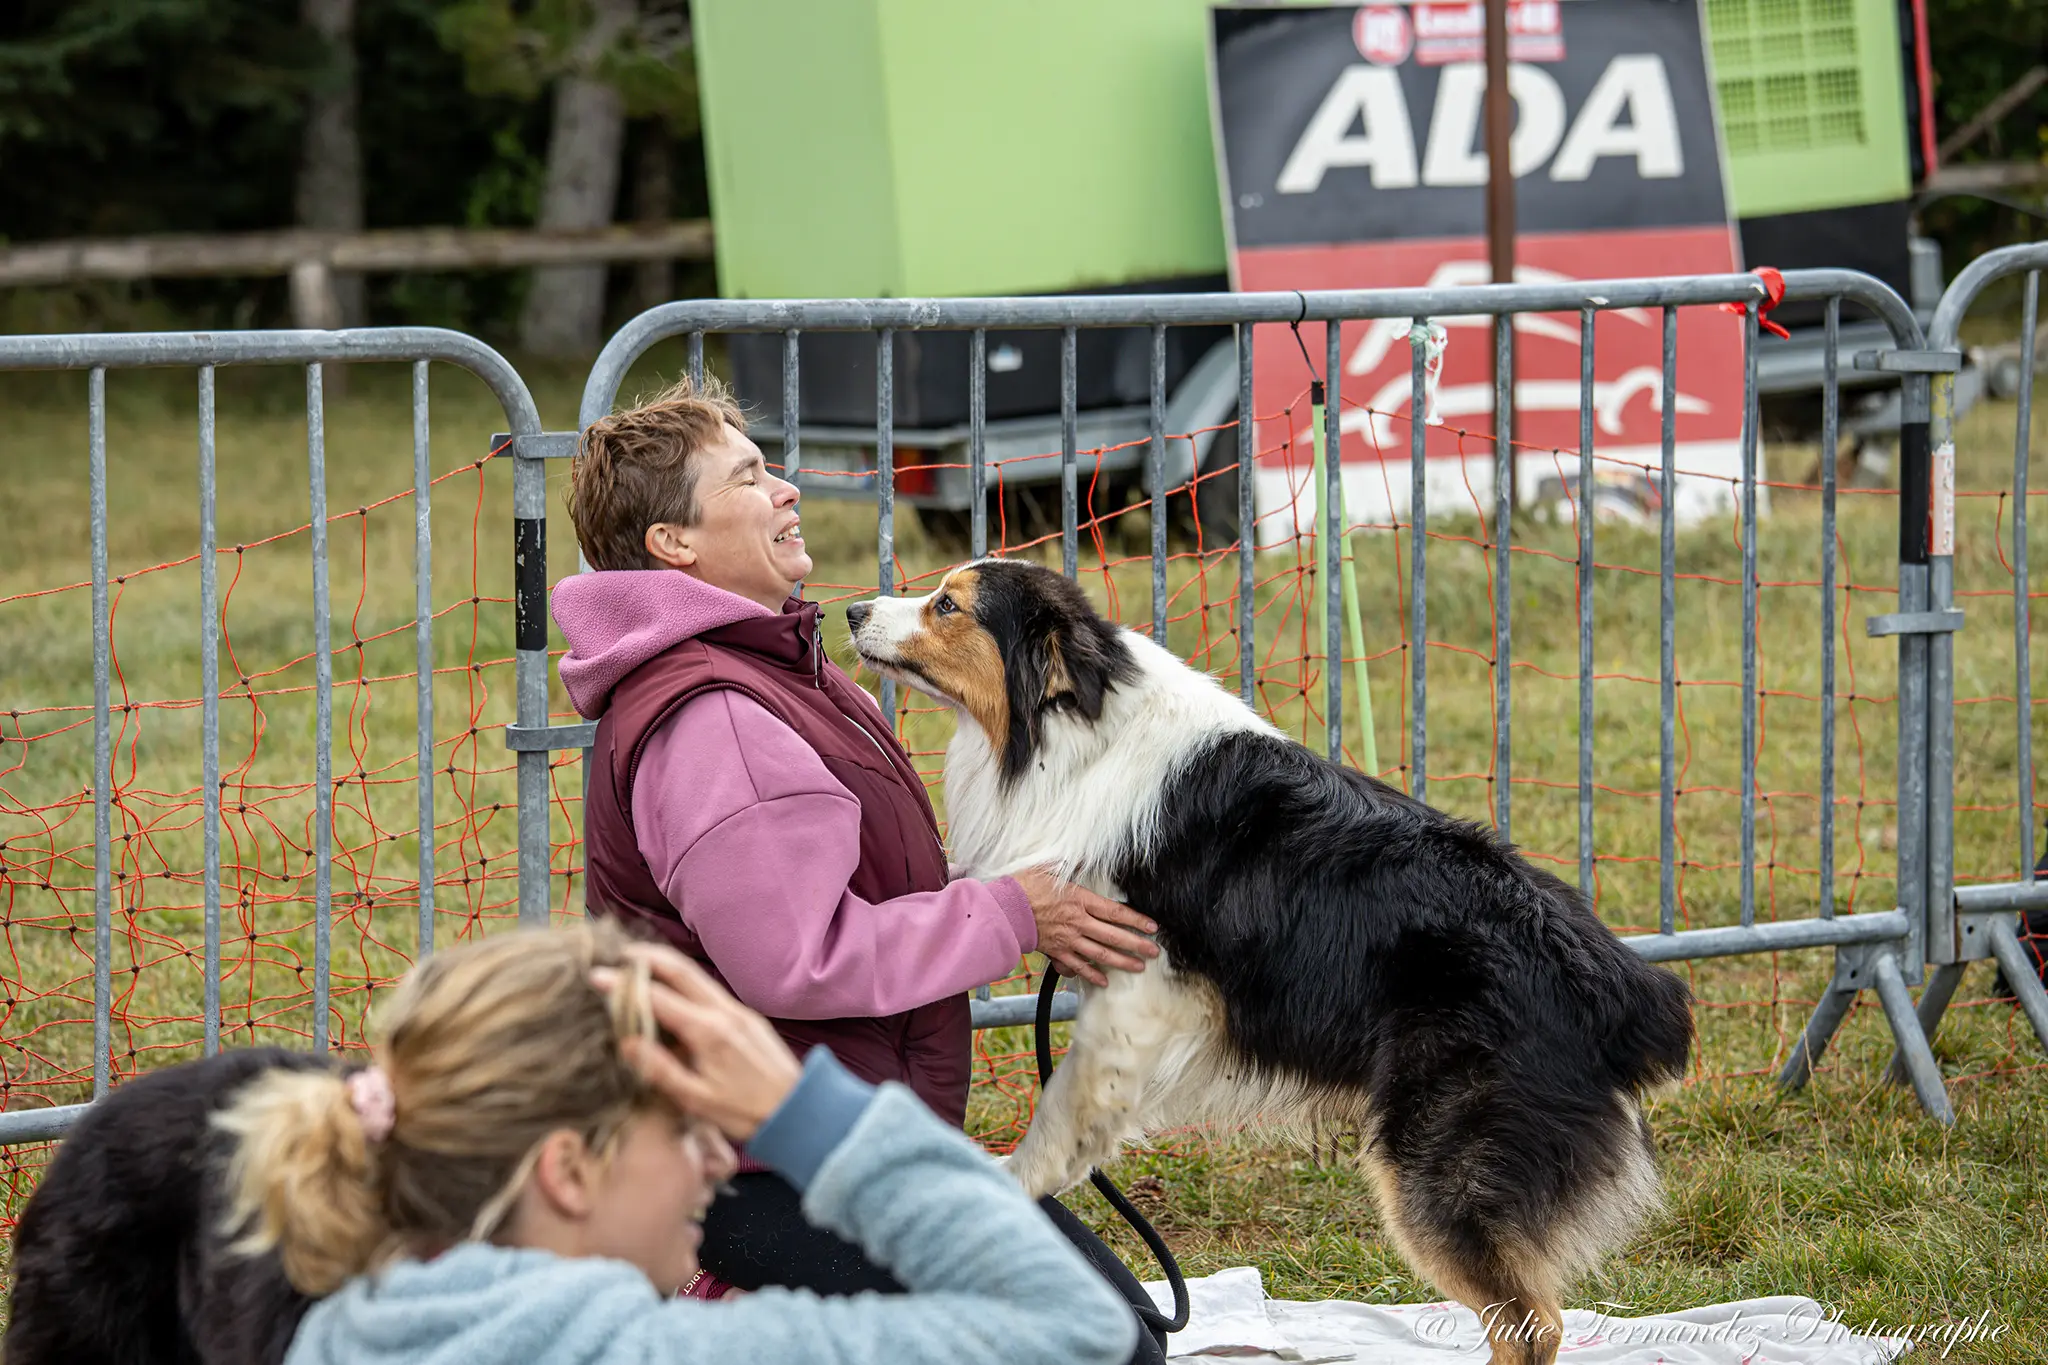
[[1331, 950]]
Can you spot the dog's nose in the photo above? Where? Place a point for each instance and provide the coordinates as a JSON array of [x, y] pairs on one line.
[[857, 614]]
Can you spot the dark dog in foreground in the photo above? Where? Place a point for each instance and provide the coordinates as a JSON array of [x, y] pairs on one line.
[[120, 1257], [1332, 950]]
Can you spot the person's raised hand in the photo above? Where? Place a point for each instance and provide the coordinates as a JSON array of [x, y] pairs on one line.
[[1081, 932], [727, 1066]]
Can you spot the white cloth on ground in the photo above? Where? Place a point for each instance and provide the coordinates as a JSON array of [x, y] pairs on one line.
[[1231, 1318]]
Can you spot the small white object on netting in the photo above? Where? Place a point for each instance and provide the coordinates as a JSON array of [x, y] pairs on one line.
[[1432, 338]]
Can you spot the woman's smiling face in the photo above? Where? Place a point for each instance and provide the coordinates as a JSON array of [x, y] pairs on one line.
[[747, 539], [649, 1201]]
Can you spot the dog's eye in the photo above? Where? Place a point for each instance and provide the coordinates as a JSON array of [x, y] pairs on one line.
[[945, 606]]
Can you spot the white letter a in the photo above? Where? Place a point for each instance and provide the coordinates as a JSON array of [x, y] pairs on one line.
[[1386, 143], [1636, 84]]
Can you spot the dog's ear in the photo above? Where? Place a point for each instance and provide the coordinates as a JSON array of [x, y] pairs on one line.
[[1087, 660], [1058, 654], [1030, 674], [1058, 682]]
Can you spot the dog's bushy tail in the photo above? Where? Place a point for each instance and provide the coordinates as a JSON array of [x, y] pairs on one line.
[[1649, 1028], [1634, 1016]]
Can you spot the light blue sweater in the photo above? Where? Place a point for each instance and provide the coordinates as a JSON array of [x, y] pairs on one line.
[[989, 1278]]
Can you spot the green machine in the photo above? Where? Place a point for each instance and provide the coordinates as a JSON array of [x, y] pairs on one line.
[[900, 148], [903, 148], [1812, 97]]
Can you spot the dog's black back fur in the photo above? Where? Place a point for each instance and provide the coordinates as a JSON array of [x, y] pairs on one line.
[[120, 1257], [1361, 939]]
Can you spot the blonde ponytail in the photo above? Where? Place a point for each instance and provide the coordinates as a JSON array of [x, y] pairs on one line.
[[488, 1047], [301, 1178]]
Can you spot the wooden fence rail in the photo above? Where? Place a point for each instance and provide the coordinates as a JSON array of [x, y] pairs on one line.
[[311, 258]]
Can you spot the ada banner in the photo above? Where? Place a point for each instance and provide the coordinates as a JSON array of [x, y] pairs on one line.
[[1351, 157]]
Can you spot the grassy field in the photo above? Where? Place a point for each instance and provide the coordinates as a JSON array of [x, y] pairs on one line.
[[1843, 1192]]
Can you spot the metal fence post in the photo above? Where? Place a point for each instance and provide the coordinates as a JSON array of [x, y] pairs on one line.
[[1418, 551], [1503, 571], [1667, 655], [102, 742], [530, 678], [1915, 464], [1330, 544], [885, 484], [423, 645], [2022, 605], [1829, 423], [1247, 522], [323, 709], [209, 702], [1070, 530], [1751, 415], [1974, 922], [1940, 664], [1155, 476]]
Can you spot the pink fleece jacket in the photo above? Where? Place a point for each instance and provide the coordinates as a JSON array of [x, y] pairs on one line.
[[754, 840]]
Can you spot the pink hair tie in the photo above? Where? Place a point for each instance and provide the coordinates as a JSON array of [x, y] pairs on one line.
[[370, 1095]]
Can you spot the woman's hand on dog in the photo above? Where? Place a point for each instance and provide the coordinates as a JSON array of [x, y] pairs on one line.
[[727, 1066], [1082, 933]]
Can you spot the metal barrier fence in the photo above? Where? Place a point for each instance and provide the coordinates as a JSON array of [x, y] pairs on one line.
[[1922, 918], [1877, 951], [208, 352], [1972, 923]]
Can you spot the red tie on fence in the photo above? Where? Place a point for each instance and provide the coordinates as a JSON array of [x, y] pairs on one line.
[[1774, 294]]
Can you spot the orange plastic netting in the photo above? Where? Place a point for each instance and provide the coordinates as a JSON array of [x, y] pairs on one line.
[[1750, 1008]]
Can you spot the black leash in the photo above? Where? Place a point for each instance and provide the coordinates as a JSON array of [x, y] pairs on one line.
[[1175, 1281]]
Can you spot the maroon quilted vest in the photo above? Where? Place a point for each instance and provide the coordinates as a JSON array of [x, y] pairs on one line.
[[780, 663]]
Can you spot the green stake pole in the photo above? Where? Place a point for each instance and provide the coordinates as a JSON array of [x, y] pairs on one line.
[[1347, 575]]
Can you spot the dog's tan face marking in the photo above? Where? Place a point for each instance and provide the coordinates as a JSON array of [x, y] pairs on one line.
[[1006, 644], [949, 647]]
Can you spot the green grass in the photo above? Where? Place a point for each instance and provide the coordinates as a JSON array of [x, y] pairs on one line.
[[1844, 1192]]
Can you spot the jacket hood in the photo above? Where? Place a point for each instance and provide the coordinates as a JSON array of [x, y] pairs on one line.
[[476, 1303], [617, 619]]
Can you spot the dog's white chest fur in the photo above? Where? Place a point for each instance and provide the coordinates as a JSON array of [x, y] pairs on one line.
[[1091, 796], [1150, 1049]]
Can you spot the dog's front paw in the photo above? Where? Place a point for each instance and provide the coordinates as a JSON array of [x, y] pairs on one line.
[[1035, 1179], [1013, 1168]]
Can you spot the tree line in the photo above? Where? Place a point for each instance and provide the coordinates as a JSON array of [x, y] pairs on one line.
[[120, 117], [1980, 49], [134, 116]]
